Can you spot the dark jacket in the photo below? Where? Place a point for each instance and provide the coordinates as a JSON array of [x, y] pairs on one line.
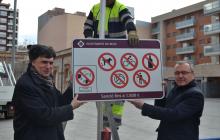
[[180, 118], [39, 110]]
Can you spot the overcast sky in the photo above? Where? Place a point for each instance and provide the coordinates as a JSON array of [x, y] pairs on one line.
[[30, 10]]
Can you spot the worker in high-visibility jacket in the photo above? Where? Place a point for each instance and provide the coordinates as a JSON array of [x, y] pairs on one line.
[[118, 24]]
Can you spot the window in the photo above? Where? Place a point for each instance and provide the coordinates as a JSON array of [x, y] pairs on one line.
[[2, 48], [168, 47], [201, 55], [2, 34], [3, 13], [2, 7], [201, 28], [202, 41], [174, 58], [3, 20], [10, 27], [168, 35], [2, 41], [2, 27], [174, 34], [208, 40], [174, 46]]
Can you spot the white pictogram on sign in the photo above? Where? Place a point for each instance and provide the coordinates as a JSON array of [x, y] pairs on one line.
[[129, 61], [150, 61], [85, 76], [119, 79], [107, 61], [141, 78]]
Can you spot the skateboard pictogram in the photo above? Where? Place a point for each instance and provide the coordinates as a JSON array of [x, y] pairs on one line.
[[141, 78], [107, 61], [129, 61], [85, 76], [119, 79], [150, 61]]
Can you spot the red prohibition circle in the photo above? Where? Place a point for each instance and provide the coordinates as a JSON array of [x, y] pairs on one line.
[[127, 59], [115, 74], [107, 61], [145, 82], [89, 81], [153, 64]]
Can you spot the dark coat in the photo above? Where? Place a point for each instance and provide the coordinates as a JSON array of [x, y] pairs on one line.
[[39, 110], [180, 118]]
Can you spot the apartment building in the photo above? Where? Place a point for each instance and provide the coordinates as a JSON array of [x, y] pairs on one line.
[[6, 27], [192, 33]]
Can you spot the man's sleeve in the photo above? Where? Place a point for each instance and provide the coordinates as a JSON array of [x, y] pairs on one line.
[[88, 26], [127, 20], [188, 107]]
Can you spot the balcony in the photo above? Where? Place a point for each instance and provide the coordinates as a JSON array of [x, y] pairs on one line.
[[9, 37], [10, 23], [9, 45], [185, 50], [185, 36], [190, 60], [9, 31], [212, 28], [212, 50], [212, 8], [155, 30], [185, 23]]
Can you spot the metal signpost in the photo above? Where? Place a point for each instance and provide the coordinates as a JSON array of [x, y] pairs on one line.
[[101, 104]]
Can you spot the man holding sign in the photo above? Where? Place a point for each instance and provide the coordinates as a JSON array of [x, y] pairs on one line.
[[180, 115]]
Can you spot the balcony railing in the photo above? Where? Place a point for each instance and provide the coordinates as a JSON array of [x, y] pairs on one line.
[[191, 60], [212, 50], [185, 50], [185, 36], [211, 8], [212, 28], [185, 23]]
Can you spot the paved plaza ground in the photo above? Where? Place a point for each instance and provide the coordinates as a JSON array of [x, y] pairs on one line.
[[135, 126]]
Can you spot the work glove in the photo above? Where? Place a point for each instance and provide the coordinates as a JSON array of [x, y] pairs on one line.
[[133, 39]]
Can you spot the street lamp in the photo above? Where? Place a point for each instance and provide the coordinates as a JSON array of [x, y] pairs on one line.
[[14, 35]]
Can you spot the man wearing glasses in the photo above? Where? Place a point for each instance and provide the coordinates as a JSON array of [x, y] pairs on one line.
[[180, 116]]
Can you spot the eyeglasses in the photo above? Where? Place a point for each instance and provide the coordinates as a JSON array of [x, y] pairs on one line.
[[182, 72]]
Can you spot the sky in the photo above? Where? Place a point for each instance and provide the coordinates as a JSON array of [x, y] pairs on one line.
[[30, 10]]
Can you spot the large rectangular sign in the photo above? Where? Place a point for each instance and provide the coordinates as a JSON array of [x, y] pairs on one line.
[[113, 70]]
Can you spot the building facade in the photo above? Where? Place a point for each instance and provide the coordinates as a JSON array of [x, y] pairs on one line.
[[6, 27], [192, 33]]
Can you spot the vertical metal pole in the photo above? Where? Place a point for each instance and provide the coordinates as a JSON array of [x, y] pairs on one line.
[[14, 35], [101, 36], [102, 20]]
